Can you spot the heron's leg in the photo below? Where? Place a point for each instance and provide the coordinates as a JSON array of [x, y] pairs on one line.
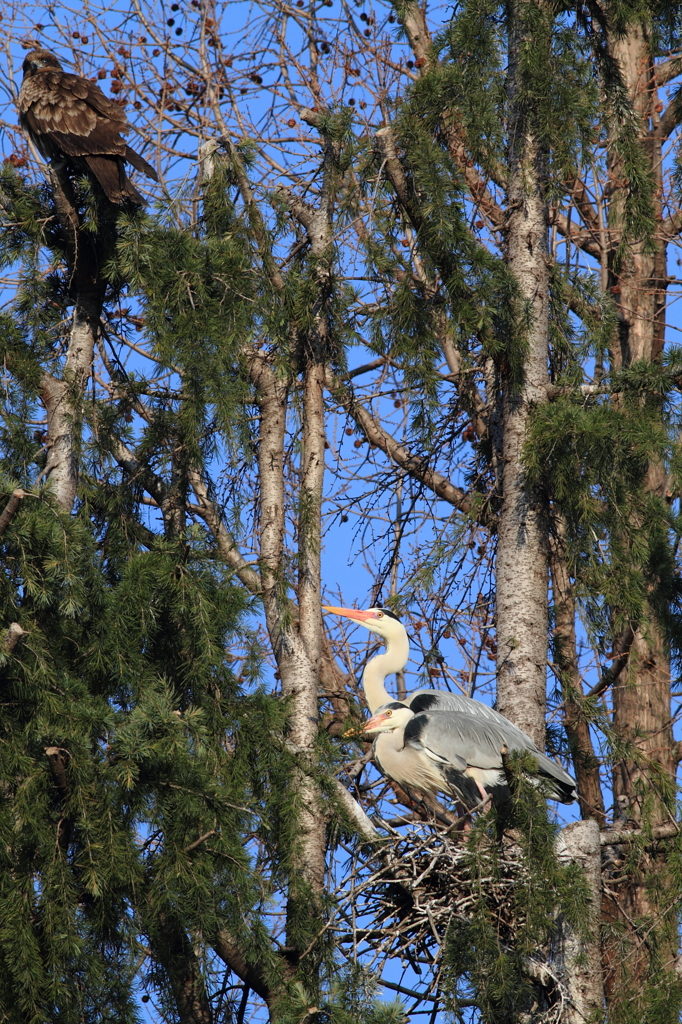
[[465, 820], [462, 822], [487, 799]]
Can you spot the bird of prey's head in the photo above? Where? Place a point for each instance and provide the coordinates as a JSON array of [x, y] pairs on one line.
[[36, 60]]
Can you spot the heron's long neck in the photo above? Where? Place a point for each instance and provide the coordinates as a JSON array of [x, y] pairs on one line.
[[386, 746], [394, 759], [393, 659]]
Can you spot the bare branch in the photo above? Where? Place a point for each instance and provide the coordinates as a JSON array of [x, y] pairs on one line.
[[11, 508], [415, 465], [13, 636], [227, 545], [621, 652], [417, 33], [583, 204], [668, 69], [611, 837], [200, 841], [366, 829], [587, 241], [230, 952], [670, 118]]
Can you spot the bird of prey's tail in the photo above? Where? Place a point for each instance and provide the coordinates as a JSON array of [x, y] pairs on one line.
[[140, 164], [111, 174]]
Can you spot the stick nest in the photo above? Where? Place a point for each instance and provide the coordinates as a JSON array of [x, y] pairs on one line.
[[417, 884]]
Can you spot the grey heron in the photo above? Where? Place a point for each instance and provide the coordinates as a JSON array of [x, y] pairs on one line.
[[458, 754], [386, 625]]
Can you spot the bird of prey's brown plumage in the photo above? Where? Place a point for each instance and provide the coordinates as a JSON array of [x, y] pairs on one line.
[[69, 118]]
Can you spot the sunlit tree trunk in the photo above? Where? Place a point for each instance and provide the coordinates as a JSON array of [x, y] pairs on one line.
[[641, 695], [62, 395], [521, 584]]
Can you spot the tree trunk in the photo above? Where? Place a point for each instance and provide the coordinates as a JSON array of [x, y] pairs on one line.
[[585, 763], [297, 646], [62, 396], [641, 695], [304, 692], [521, 601], [641, 698], [580, 956]]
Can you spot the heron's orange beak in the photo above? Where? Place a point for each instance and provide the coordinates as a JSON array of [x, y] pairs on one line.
[[350, 613], [376, 723]]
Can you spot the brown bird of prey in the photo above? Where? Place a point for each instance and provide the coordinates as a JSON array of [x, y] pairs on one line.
[[69, 118]]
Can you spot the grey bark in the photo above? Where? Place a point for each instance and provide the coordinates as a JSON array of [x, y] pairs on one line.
[[62, 401], [417, 32], [366, 829], [304, 690], [297, 650], [300, 671], [631, 835], [579, 955], [11, 508], [521, 603], [62, 396]]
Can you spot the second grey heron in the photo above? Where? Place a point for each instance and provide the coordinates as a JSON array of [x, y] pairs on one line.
[[458, 754]]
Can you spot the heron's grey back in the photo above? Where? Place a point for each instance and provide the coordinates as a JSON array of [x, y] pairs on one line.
[[443, 700]]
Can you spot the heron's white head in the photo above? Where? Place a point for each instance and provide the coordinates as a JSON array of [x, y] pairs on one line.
[[377, 620], [389, 717]]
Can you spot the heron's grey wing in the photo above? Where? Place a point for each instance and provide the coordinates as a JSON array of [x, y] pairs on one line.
[[452, 737], [517, 740], [448, 763], [418, 737], [479, 742]]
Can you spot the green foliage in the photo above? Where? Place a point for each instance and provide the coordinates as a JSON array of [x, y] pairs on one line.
[[659, 990], [349, 999], [633, 209], [164, 813], [149, 805], [572, 340], [123, 674], [554, 84], [491, 954], [197, 298], [592, 458], [470, 48]]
